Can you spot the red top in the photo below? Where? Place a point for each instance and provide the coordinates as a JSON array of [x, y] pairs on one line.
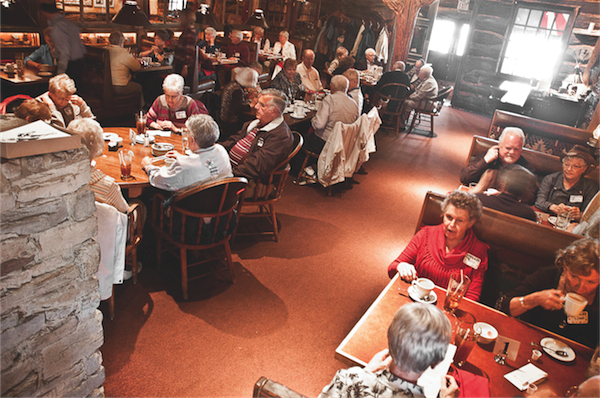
[[427, 252]]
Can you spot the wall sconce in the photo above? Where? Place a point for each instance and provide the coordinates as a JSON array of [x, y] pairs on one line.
[[257, 19], [130, 14]]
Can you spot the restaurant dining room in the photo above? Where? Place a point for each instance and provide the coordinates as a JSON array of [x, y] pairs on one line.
[[299, 198]]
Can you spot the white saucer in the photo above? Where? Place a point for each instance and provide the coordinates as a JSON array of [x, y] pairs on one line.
[[297, 117], [554, 344], [413, 295], [552, 220]]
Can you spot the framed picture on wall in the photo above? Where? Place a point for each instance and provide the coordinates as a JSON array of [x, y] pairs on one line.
[[102, 3]]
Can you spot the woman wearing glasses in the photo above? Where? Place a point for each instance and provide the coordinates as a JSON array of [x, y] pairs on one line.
[[567, 190]]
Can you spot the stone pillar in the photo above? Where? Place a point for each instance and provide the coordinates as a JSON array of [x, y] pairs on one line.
[[51, 329]]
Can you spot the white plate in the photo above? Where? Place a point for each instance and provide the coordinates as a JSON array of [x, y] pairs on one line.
[[552, 220], [110, 136], [297, 117], [413, 295], [554, 344], [44, 73]]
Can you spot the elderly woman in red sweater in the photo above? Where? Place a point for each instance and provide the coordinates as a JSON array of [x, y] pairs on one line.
[[438, 251]]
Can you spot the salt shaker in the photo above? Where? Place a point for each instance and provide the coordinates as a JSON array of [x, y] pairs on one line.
[[146, 140]]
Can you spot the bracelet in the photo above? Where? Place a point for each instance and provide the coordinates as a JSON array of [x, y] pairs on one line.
[[522, 301]]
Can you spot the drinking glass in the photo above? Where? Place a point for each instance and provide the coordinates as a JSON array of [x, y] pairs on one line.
[[466, 337], [563, 220], [185, 142], [457, 287], [125, 161], [140, 122]]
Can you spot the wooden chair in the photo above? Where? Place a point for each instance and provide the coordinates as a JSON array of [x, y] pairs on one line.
[[270, 389], [266, 195], [180, 223], [135, 227], [393, 96], [264, 80], [432, 111]]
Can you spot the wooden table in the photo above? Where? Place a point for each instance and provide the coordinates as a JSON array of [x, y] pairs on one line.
[[156, 69], [108, 162], [29, 77], [31, 84], [369, 336]]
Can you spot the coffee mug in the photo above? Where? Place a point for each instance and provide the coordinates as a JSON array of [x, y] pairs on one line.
[[574, 304], [422, 287], [169, 162]]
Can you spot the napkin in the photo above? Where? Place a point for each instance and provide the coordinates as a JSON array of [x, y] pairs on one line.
[[159, 133], [431, 379], [525, 375]]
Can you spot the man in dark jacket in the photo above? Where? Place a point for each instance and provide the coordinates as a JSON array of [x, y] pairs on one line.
[[264, 143]]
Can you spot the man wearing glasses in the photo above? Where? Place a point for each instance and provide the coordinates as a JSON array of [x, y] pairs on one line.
[[262, 144], [567, 190]]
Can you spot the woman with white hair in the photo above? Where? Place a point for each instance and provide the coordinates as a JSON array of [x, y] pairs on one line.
[[171, 110], [208, 44], [64, 105], [285, 48], [104, 187], [233, 101]]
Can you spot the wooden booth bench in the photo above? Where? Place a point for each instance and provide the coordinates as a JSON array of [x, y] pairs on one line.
[[97, 88], [541, 136], [542, 163], [518, 247]]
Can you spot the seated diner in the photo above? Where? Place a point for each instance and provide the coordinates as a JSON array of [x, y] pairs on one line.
[[208, 161], [42, 59], [450, 248], [541, 297], [172, 109], [64, 105], [568, 190]]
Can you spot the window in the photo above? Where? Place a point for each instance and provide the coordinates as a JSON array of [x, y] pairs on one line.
[[443, 35], [535, 43]]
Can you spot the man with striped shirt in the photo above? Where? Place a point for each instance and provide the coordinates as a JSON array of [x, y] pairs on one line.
[[262, 144]]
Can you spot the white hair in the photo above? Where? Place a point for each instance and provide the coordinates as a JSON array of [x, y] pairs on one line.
[[238, 34], [246, 77], [399, 65], [210, 31], [285, 33], [173, 82], [62, 84], [340, 83], [427, 69], [90, 132], [204, 129], [512, 131]]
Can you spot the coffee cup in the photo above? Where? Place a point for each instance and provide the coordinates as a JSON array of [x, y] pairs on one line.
[[574, 304], [422, 287]]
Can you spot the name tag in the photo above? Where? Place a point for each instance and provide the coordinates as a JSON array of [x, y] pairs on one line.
[[472, 261], [260, 142], [581, 319], [180, 115], [576, 199]]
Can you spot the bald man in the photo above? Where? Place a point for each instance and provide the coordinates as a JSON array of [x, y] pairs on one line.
[[308, 74]]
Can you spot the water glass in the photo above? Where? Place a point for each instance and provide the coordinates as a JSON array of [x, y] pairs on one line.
[[563, 220], [457, 287], [466, 337]]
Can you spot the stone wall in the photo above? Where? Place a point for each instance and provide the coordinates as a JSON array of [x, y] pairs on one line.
[[51, 329]]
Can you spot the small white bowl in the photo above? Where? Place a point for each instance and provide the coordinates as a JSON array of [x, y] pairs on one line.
[[488, 333], [161, 148]]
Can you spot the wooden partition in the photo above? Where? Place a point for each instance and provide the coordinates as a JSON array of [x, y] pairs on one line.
[[518, 247]]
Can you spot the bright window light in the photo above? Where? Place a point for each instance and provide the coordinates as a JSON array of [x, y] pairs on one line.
[[441, 36], [535, 43], [462, 40]]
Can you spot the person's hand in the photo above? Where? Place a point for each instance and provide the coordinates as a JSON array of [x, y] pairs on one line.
[[407, 272], [449, 387], [575, 213], [551, 299], [77, 100], [559, 209], [155, 50], [492, 154], [172, 154], [380, 361], [146, 161], [167, 125]]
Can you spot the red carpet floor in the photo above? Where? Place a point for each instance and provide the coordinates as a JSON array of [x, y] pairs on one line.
[[294, 301]]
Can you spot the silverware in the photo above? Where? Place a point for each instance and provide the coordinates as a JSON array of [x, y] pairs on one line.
[[557, 352]]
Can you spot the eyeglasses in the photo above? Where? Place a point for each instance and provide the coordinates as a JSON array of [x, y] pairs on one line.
[[574, 166]]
